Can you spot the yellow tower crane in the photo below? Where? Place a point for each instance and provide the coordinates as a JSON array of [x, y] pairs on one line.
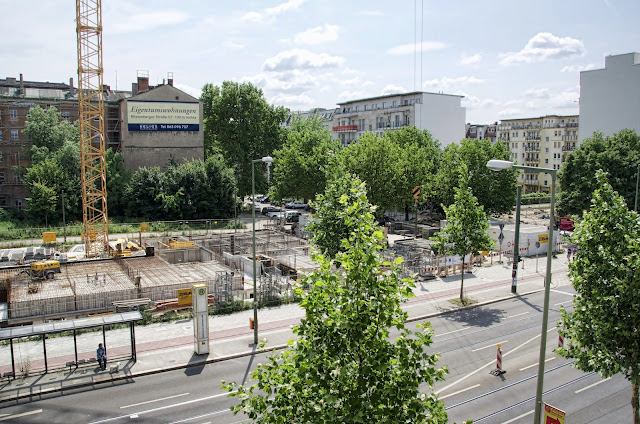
[[91, 117]]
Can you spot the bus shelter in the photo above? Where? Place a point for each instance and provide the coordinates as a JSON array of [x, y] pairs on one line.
[[74, 325]]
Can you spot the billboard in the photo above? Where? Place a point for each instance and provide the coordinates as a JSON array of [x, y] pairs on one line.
[[163, 116]]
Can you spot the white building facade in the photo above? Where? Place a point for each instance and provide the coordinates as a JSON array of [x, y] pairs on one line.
[[610, 97], [441, 114]]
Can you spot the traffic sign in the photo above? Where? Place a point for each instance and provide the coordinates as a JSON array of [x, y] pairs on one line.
[[537, 244], [553, 415], [416, 192], [501, 237]]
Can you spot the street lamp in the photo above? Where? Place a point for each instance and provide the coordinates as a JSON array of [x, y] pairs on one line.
[[498, 165], [267, 160]]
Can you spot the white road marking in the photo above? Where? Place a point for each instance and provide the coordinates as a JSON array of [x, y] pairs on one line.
[[24, 414], [449, 332], [154, 400], [536, 364], [491, 345], [517, 315], [458, 392], [561, 292], [593, 385], [162, 408], [512, 420], [562, 303]]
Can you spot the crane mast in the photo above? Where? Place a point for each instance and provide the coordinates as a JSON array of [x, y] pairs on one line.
[[91, 118]]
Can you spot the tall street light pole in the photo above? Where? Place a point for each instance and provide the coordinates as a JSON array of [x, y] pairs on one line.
[[498, 165], [637, 183], [267, 160]]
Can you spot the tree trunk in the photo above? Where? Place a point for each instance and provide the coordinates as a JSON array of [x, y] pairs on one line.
[[635, 400], [462, 280], [406, 212]]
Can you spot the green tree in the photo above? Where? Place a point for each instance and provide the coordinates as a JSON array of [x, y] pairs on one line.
[[117, 180], [240, 124], [618, 155], [467, 229], [344, 366], [602, 333], [377, 161], [420, 158], [302, 165], [42, 180], [142, 194], [46, 128], [494, 190], [332, 224]]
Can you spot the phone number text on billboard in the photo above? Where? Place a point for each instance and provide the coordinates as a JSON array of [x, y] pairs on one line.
[[164, 127]]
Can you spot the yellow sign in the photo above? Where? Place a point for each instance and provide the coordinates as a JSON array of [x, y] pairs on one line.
[[553, 415], [144, 226], [184, 297], [416, 192], [49, 237], [543, 238]]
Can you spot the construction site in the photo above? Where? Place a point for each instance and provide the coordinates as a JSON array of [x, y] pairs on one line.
[[224, 262]]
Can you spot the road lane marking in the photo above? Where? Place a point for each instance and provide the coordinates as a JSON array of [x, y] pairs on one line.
[[562, 303], [491, 345], [517, 315], [154, 400], [24, 414], [454, 331], [458, 392], [536, 364], [188, 402], [593, 385], [493, 361], [561, 292], [197, 417], [512, 420]]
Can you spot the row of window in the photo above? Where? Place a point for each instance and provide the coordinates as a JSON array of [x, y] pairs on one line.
[[14, 134], [375, 106], [16, 178]]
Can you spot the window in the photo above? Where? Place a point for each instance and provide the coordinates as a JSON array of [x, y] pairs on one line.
[[66, 115], [1, 157], [16, 157], [546, 150], [1, 135], [3, 200], [384, 104], [1, 177], [394, 103], [13, 113], [545, 182], [19, 203], [547, 140], [365, 107], [546, 161], [16, 179], [14, 134]]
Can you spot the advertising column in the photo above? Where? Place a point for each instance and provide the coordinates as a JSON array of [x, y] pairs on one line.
[[200, 319]]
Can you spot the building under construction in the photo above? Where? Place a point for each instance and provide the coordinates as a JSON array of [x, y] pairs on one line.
[[222, 261]]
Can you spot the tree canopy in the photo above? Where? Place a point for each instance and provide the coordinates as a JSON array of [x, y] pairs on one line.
[[240, 124], [495, 191], [302, 165], [467, 229], [344, 364], [602, 332], [618, 155]]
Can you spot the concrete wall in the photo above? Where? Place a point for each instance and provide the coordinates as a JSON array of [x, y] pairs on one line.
[[157, 148], [443, 116], [610, 97]]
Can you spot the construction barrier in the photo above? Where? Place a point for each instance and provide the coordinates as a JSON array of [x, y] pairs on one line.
[[498, 371]]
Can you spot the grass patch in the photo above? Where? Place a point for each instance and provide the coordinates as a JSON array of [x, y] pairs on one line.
[[466, 301]]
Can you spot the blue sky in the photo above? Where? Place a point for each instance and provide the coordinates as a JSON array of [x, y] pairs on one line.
[[509, 59]]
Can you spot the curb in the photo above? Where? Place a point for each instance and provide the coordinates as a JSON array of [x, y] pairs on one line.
[[116, 378]]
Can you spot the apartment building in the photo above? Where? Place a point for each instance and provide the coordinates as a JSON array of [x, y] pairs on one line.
[[610, 97], [481, 132], [325, 115], [441, 114], [18, 96], [539, 142]]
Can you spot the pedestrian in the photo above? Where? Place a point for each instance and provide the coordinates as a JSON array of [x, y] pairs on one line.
[[568, 254], [101, 355], [575, 252]]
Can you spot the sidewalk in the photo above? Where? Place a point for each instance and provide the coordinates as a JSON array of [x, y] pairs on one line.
[[169, 346]]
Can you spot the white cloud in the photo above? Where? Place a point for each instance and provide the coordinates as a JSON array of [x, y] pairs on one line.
[[272, 12], [425, 46], [128, 17], [350, 95], [447, 83], [470, 60], [393, 89], [510, 113], [538, 93], [318, 35], [577, 68], [195, 92], [472, 102], [543, 46], [301, 59]]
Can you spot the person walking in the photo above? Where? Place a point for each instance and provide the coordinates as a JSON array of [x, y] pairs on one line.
[[568, 254], [101, 355]]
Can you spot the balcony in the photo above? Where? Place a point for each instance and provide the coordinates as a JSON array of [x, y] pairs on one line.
[[345, 128]]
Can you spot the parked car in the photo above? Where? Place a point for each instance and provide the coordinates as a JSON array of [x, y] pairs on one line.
[[266, 199], [267, 209], [292, 216], [296, 205], [276, 214]]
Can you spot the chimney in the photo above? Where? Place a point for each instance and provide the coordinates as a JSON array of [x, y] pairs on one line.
[[143, 81], [134, 88], [71, 83], [21, 85], [170, 78]]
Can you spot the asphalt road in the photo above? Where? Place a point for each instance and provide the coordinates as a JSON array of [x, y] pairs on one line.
[[467, 341]]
